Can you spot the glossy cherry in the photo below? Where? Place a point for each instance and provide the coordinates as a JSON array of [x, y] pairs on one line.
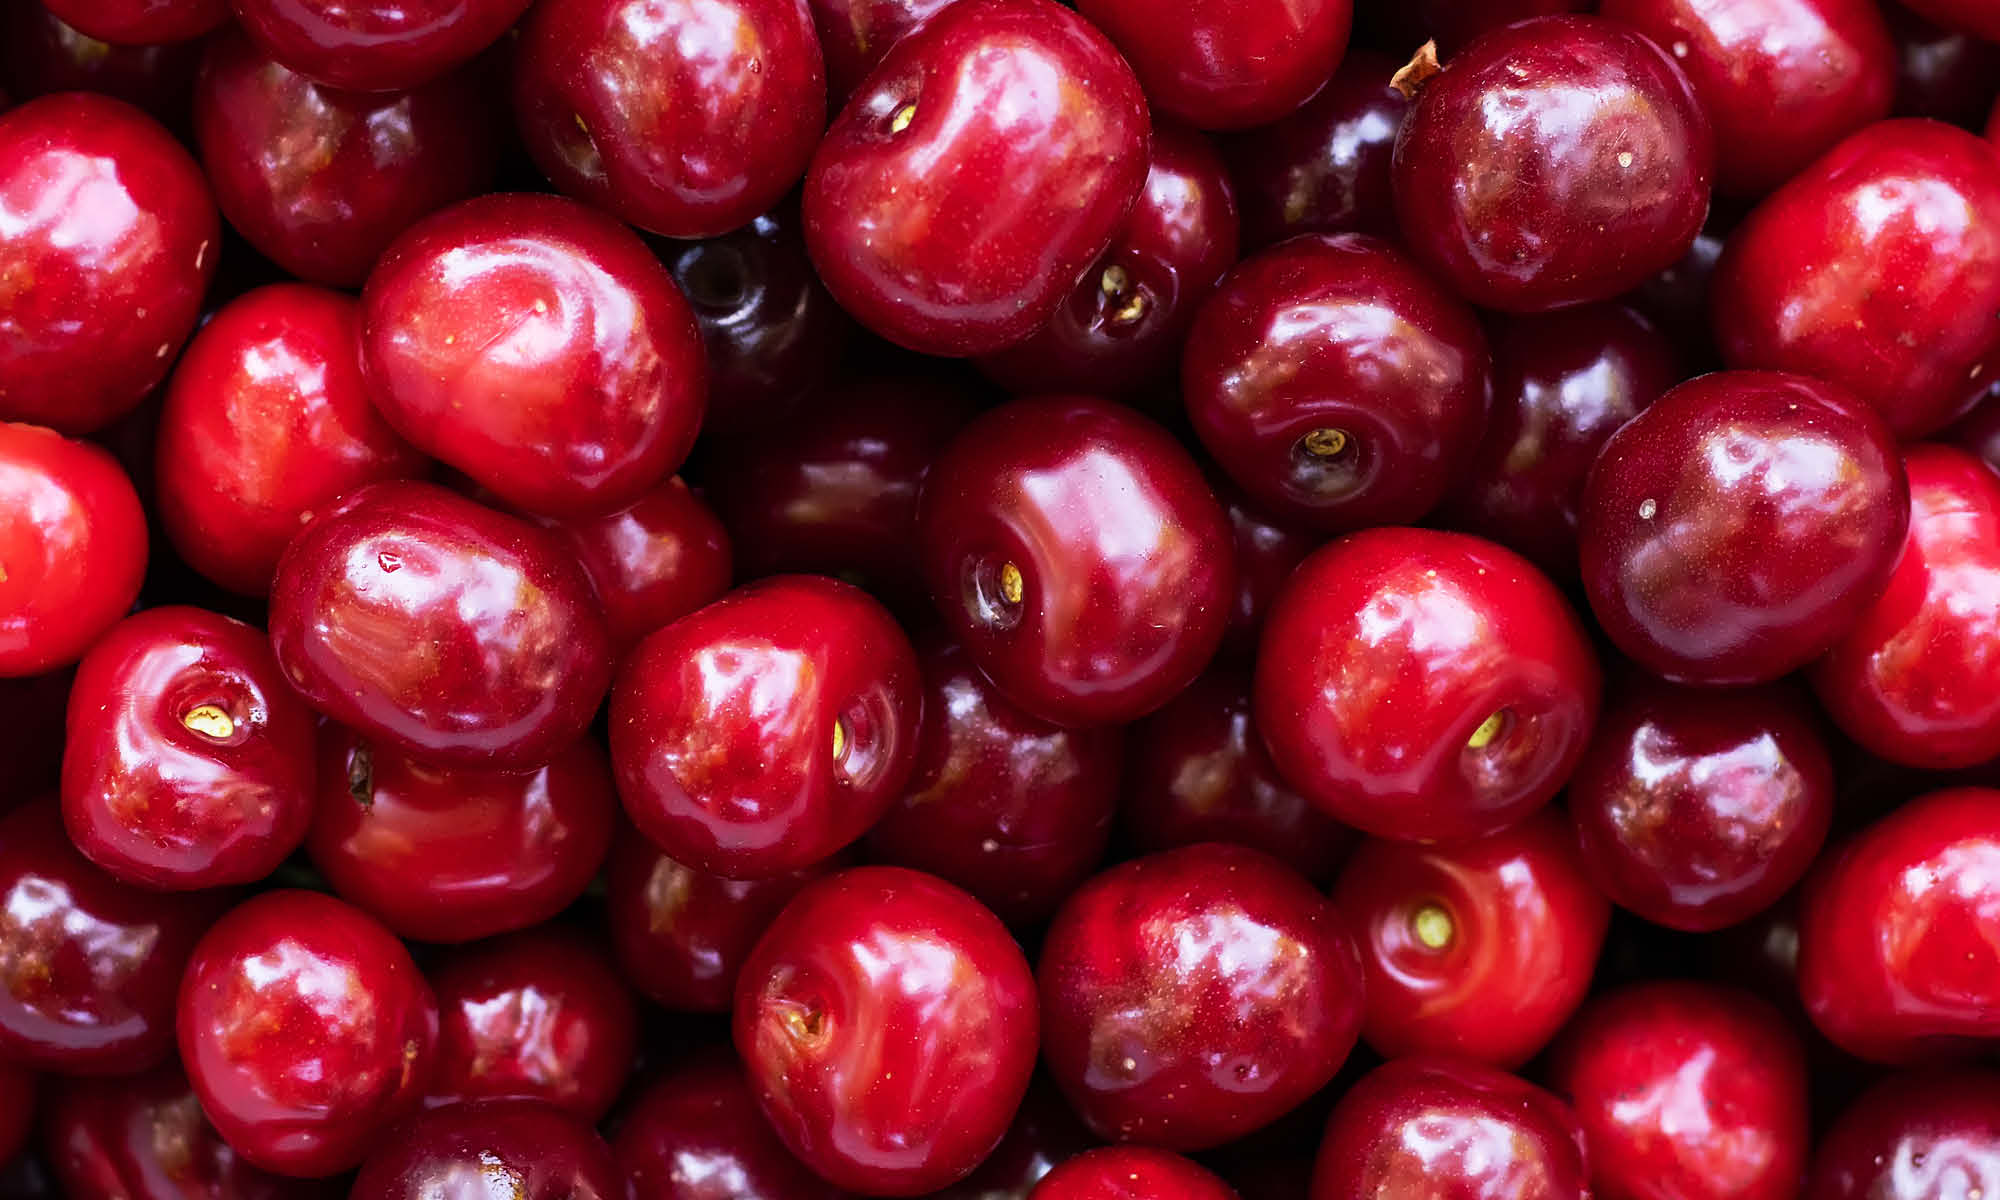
[[959, 195], [1131, 1173], [768, 730], [1076, 551], [41, 54], [540, 348], [1968, 16], [17, 1109], [1267, 551], [1732, 531], [856, 34], [519, 1149], [109, 239], [1227, 64], [453, 853], [855, 1015], [1676, 300], [375, 45], [141, 22], [1423, 685], [1943, 74], [1192, 996], [696, 1134], [1925, 1135], [1336, 383], [652, 562], [1324, 168], [1555, 161], [443, 628], [1045, 1133]]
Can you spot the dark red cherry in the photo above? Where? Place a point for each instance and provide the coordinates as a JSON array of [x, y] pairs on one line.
[[453, 853], [1267, 551], [888, 1025], [1676, 300], [1227, 64], [72, 547], [1120, 329], [1874, 269], [1689, 1091], [1003, 804], [1456, 22], [1478, 951], [188, 761], [320, 181], [1922, 1135], [17, 1109], [1943, 74], [1198, 772], [733, 102], [1916, 676], [696, 1134], [1439, 1129], [1978, 432], [1336, 383], [306, 1030], [1563, 383], [1045, 1133], [141, 22], [110, 240], [1733, 530], [375, 45], [856, 34], [1193, 996], [1131, 1173], [441, 627], [960, 194], [517, 1149], [1968, 16], [1424, 685], [1556, 161], [768, 730], [41, 54], [1076, 551], [537, 346], [1698, 809], [652, 562]]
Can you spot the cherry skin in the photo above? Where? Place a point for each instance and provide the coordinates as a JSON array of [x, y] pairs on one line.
[[188, 760], [1456, 22], [1227, 64], [140, 22], [853, 1017], [454, 853], [696, 1134], [1075, 550], [512, 652], [1478, 951], [521, 1149], [375, 45], [768, 730], [41, 54], [1731, 531], [1193, 996], [73, 544], [652, 562], [1943, 74], [1978, 432], [1914, 678], [110, 239], [733, 102], [1336, 383], [1045, 1134], [17, 1109], [856, 34], [1447, 1130], [1698, 809], [1012, 809], [1676, 300], [306, 1031], [1423, 685], [956, 199], [1873, 269], [320, 181], [1968, 16], [540, 348], [267, 421], [1267, 551], [1687, 1091], [1553, 162], [1131, 1173], [1916, 1136]]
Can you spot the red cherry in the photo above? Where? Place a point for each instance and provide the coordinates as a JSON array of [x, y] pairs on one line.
[[1917, 1136], [112, 222], [1944, 74], [375, 45], [1324, 168], [1131, 1173], [520, 1149], [141, 22], [1424, 686], [856, 34], [1969, 16], [1456, 22], [17, 1109], [1045, 1133], [959, 195], [1676, 300], [1267, 551], [872, 1085], [1227, 64], [696, 1134], [652, 562], [40, 54]]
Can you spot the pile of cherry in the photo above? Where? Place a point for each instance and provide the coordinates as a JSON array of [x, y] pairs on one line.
[[1161, 600]]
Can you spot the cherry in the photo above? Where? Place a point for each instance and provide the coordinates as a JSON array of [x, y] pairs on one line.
[[652, 562], [1917, 1136], [1967, 16], [375, 45], [443, 628], [856, 34], [110, 239], [520, 1149], [1045, 1133], [854, 1015], [1943, 74], [1914, 679], [267, 421], [40, 54], [959, 195], [17, 1109], [1732, 530], [1336, 383], [1437, 1128], [537, 346], [72, 547], [1012, 809], [1120, 329], [188, 760], [1698, 809], [320, 181], [1131, 1173], [1687, 1091], [1874, 269], [1478, 951], [696, 1134], [1423, 685], [1676, 300], [1563, 383], [140, 22], [1192, 996], [1324, 168], [1198, 772], [1267, 551], [536, 1015], [1074, 549], [1227, 64], [455, 853], [1552, 162]]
